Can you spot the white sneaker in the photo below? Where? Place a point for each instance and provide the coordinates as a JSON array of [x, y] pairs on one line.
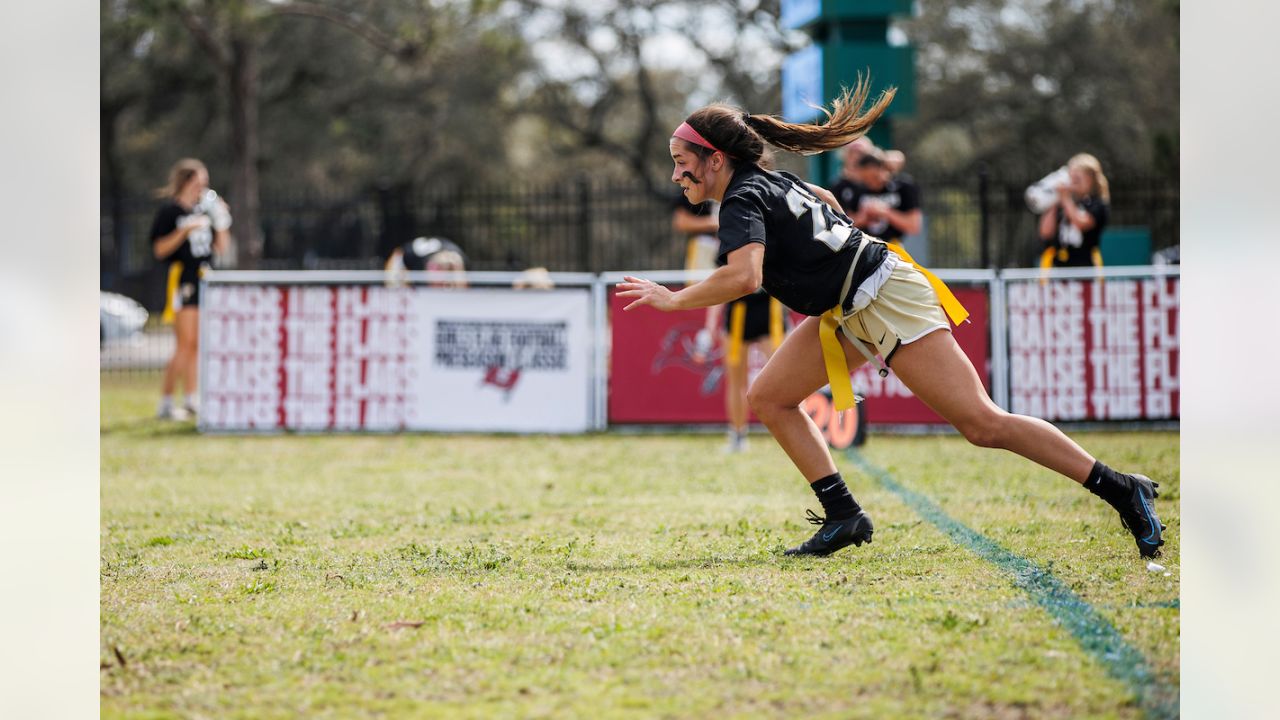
[[735, 443], [169, 412]]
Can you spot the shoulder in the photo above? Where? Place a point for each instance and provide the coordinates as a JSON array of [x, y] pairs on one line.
[[169, 208], [166, 219], [752, 188]]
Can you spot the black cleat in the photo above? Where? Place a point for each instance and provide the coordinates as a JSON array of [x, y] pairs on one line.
[[834, 534], [1138, 515]]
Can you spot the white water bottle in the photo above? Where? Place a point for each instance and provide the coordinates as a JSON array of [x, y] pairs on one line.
[[1044, 192]]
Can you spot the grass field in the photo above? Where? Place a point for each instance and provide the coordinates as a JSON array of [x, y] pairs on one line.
[[613, 575]]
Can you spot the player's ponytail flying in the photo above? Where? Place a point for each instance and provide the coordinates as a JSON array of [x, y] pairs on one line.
[[742, 136]]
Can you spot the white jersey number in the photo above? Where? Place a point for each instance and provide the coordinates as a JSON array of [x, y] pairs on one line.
[[833, 237]]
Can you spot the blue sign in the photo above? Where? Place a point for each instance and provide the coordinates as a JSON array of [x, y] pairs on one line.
[[796, 13], [802, 84]]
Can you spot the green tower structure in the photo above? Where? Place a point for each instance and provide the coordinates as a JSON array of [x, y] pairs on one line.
[[849, 37]]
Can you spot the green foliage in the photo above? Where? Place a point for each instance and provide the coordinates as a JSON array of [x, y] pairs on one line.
[[1022, 86], [336, 109]]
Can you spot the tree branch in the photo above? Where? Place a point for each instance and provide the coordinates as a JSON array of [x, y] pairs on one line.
[[204, 36], [365, 30]]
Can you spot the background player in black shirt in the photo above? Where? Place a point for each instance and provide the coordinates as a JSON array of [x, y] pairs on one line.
[[882, 205], [191, 225], [792, 238], [1072, 228]]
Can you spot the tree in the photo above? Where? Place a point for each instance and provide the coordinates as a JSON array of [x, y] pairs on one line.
[[617, 76], [230, 33], [1020, 86]]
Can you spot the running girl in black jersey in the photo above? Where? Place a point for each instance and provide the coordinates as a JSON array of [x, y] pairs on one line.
[[189, 228], [794, 240]]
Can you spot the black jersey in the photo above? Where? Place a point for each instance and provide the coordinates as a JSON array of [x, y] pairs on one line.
[[195, 251], [900, 193], [418, 251], [1078, 245], [756, 323], [808, 246], [846, 192]]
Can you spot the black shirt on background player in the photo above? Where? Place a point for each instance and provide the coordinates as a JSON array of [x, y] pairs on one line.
[[1075, 244], [808, 245], [899, 193], [195, 253]]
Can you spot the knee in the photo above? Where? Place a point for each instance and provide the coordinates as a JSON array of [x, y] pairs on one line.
[[987, 430], [760, 403]]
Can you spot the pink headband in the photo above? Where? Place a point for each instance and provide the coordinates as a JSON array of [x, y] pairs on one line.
[[686, 132]]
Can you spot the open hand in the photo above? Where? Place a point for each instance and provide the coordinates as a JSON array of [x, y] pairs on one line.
[[646, 292]]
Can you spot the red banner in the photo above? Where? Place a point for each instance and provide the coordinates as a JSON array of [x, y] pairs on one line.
[[654, 378], [1085, 350]]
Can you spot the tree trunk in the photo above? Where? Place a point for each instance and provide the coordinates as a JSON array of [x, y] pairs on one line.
[[247, 230]]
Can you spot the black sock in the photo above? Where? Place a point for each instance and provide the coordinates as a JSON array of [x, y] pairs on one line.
[[837, 501], [1108, 484]]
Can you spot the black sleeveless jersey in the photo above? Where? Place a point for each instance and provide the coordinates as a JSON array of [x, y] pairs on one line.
[[808, 246]]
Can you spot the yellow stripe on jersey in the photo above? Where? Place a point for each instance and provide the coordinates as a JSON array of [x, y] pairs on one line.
[[737, 328], [776, 329], [171, 291]]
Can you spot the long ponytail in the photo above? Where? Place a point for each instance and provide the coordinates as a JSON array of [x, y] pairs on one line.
[[846, 121], [742, 136]]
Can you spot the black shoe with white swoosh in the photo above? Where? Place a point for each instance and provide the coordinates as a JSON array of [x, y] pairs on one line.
[[834, 534], [1138, 515]]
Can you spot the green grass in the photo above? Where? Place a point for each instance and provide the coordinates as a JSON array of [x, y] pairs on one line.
[[598, 576]]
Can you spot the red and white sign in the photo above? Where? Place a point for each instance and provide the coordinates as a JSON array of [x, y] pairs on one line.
[[653, 377], [1088, 350], [361, 357]]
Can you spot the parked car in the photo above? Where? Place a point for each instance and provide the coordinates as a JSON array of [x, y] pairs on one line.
[[119, 317]]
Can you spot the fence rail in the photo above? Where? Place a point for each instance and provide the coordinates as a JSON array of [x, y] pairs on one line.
[[587, 226]]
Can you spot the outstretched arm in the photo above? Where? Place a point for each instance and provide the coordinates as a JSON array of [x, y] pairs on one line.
[[686, 222], [825, 196], [742, 275]]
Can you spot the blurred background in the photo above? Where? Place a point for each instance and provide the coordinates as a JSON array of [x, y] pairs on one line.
[[534, 132]]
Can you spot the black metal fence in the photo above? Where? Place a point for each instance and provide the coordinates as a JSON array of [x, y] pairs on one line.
[[588, 226]]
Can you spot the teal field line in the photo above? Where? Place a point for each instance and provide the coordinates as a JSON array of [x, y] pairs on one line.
[[1094, 633]]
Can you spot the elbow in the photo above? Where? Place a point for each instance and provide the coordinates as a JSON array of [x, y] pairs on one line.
[[751, 281]]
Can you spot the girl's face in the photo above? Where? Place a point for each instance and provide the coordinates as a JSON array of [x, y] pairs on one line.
[[1081, 181], [690, 171], [190, 193]]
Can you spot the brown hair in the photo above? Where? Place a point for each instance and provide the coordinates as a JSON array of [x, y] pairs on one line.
[[1090, 164], [742, 136], [179, 175]]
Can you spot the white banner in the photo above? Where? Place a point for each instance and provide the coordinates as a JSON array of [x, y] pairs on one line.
[[370, 358], [1094, 349]]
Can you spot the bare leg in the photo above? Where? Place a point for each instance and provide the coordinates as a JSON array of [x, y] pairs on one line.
[[187, 325], [170, 379], [940, 374], [735, 391], [790, 376]]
